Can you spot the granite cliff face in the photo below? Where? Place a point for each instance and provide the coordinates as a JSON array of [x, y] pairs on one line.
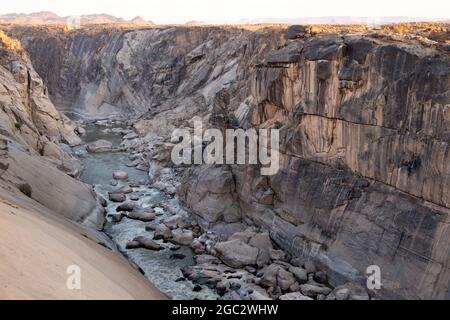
[[364, 121]]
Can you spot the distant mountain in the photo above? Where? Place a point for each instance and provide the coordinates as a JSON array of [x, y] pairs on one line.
[[140, 21], [341, 20], [46, 17]]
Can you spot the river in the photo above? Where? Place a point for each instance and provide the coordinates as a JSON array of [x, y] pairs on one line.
[[160, 267]]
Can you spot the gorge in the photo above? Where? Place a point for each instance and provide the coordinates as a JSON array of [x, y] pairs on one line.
[[364, 179]]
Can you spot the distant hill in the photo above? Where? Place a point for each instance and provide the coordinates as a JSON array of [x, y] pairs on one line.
[[47, 17]]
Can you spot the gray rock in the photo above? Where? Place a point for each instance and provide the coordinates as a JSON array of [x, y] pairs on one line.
[[313, 291], [162, 232], [143, 242], [294, 296], [120, 175], [127, 206], [277, 276], [117, 197], [145, 215], [99, 146], [182, 237], [299, 273], [236, 253]]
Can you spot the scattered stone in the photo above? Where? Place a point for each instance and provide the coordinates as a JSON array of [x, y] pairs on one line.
[[175, 248], [127, 206], [117, 197], [276, 276], [162, 232], [277, 254], [143, 242], [151, 226], [134, 197], [321, 277], [145, 215], [174, 222], [299, 273], [236, 253], [206, 259], [310, 267], [116, 217], [120, 175], [294, 296], [351, 291], [313, 291], [182, 237], [99, 146]]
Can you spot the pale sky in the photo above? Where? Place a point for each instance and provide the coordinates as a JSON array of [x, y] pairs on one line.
[[179, 11]]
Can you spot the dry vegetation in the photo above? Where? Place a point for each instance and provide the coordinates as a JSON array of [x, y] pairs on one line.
[[7, 42]]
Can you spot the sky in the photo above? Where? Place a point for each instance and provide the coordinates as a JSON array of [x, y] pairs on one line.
[[229, 11]]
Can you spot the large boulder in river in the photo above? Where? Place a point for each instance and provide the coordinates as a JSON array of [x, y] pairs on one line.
[[120, 175], [99, 146]]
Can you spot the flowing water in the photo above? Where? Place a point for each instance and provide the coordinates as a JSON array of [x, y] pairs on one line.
[[160, 267]]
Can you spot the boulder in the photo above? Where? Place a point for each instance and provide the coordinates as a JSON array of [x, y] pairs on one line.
[[117, 197], [294, 296], [236, 253], [120, 175], [276, 275], [145, 215], [143, 242], [300, 274], [99, 146], [162, 232], [351, 291], [127, 206], [313, 290], [182, 237]]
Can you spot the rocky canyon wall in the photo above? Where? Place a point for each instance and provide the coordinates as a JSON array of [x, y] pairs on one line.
[[364, 119]]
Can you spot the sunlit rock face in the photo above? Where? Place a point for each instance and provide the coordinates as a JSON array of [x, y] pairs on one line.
[[31, 132], [364, 125]]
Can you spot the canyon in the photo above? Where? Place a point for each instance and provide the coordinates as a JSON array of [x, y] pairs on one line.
[[364, 121]]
